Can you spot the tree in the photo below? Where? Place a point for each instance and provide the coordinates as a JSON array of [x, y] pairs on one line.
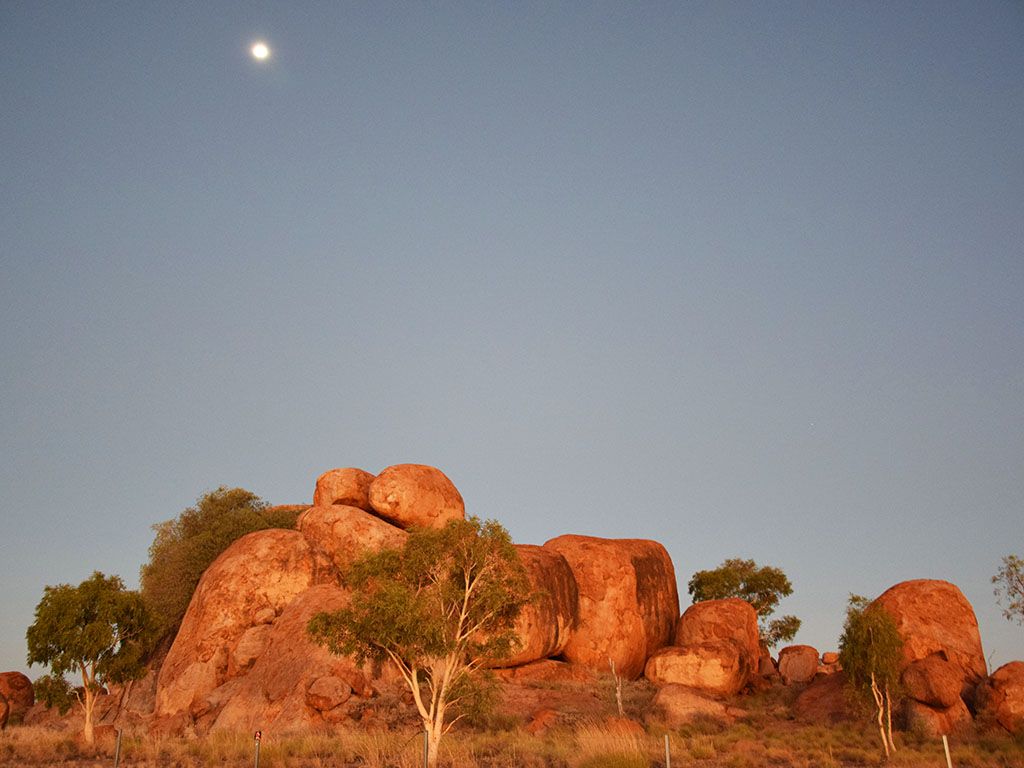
[[1009, 581], [869, 653], [438, 608], [762, 587], [185, 546], [97, 629]]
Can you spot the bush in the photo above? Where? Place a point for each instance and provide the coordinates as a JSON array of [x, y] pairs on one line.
[[185, 547]]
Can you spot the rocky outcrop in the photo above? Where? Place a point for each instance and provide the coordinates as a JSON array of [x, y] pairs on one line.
[[227, 623], [934, 681], [628, 601], [719, 668], [932, 722], [17, 689], [798, 664], [416, 494], [675, 705], [712, 620], [344, 532], [934, 617], [349, 486], [824, 701], [1000, 697], [545, 625]]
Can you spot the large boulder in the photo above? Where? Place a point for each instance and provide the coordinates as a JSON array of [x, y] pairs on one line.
[[628, 601], [933, 616], [416, 494], [730, 619], [674, 705], [17, 689], [934, 681], [717, 668], [798, 663], [345, 532], [246, 588], [348, 486], [932, 722], [293, 683], [1001, 697], [545, 625]]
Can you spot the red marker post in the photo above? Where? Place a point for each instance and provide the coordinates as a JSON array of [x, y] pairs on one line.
[[258, 738]]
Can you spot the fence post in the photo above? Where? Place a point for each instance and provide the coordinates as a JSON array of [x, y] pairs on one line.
[[426, 747], [117, 750], [945, 744], [668, 754], [257, 739]]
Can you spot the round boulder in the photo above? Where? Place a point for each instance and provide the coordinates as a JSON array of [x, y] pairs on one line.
[[17, 689], [718, 667], [349, 486], [933, 616], [1001, 696], [932, 722], [934, 681], [345, 532], [544, 626], [416, 494], [798, 663], [730, 619], [674, 705], [628, 601]]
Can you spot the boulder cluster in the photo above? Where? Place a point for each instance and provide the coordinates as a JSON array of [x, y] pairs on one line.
[[242, 659]]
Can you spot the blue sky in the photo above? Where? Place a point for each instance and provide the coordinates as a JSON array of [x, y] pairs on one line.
[[743, 278]]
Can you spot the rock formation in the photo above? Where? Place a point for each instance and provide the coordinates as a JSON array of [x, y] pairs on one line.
[[344, 532], [628, 601], [675, 705], [718, 668], [349, 486], [415, 494], [798, 663], [17, 689], [1001, 697], [5, 711]]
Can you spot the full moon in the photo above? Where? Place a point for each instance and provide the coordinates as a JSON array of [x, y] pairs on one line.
[[260, 51]]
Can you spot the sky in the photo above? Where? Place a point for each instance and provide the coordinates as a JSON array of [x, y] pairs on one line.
[[743, 278]]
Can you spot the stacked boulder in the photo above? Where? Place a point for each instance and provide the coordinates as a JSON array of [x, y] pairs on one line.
[[242, 659], [16, 696]]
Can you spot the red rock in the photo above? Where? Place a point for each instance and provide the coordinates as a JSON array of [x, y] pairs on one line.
[[933, 616], [275, 692], [249, 584], [830, 657], [17, 689], [416, 494], [622, 726], [345, 532], [349, 486], [675, 705], [798, 663], [932, 722], [718, 667], [5, 711], [547, 670], [933, 681], [628, 601], [1001, 696], [729, 619], [541, 722], [544, 626], [824, 701]]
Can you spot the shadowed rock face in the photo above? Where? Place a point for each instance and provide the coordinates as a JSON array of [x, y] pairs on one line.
[[544, 626], [1001, 696], [248, 586], [416, 494], [798, 663], [934, 617], [934, 681], [344, 532], [349, 486], [628, 601]]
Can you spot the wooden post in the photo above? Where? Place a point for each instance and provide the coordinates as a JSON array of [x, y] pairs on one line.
[[258, 738], [117, 751], [426, 747], [668, 754], [945, 744]]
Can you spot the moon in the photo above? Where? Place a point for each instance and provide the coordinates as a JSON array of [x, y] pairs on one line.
[[260, 51]]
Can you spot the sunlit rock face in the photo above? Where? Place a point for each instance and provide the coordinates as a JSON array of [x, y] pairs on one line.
[[248, 586], [798, 663], [416, 494], [729, 619], [344, 532], [1001, 696], [932, 617], [348, 486], [545, 625], [628, 601], [718, 668]]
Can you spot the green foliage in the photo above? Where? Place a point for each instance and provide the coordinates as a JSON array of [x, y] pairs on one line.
[[1009, 581], [54, 691], [98, 630], [762, 587], [439, 608], [870, 646], [185, 547]]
